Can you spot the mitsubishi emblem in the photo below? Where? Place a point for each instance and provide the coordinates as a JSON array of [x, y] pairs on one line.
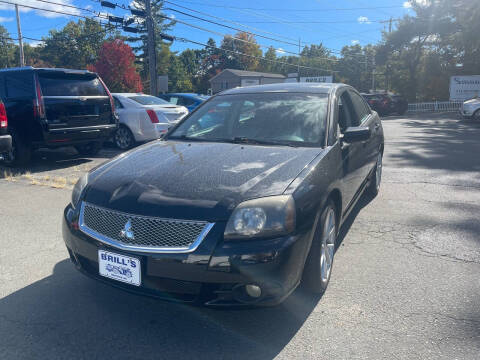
[[127, 231]]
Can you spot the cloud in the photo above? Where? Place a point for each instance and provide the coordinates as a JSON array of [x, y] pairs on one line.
[[408, 4], [355, 42], [60, 7], [5, 19], [280, 51], [364, 20], [35, 43]]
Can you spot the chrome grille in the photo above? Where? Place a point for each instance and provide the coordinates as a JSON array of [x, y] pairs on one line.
[[141, 233]]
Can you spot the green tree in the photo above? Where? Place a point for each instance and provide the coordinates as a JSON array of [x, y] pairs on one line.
[[75, 46], [7, 49], [240, 54]]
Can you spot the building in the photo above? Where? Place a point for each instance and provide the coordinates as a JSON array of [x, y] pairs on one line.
[[230, 78]]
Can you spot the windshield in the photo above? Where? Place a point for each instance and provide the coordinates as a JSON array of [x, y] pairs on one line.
[[148, 100], [61, 84], [278, 118]]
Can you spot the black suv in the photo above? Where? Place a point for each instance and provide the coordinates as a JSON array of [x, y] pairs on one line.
[[53, 108]]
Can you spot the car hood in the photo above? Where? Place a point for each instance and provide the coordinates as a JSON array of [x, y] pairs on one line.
[[472, 102], [202, 180]]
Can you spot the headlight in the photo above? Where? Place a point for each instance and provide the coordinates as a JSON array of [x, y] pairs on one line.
[[263, 217], [78, 189]]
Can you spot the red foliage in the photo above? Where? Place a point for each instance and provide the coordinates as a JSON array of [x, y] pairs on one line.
[[115, 65]]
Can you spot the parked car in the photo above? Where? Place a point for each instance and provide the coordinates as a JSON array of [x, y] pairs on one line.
[[5, 138], [471, 108], [190, 100], [385, 104], [143, 118], [235, 212], [53, 108]]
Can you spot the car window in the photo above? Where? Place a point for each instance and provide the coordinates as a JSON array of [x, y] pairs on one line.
[[61, 84], [118, 104], [346, 113], [187, 101], [19, 85], [174, 100], [290, 118], [148, 100], [361, 109]]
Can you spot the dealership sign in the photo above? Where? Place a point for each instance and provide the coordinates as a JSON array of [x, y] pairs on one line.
[[317, 79], [464, 87]]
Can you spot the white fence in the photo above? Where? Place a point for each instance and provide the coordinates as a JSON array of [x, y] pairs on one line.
[[436, 106]]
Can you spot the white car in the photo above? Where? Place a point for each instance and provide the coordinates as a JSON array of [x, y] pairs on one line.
[[471, 108], [143, 118]]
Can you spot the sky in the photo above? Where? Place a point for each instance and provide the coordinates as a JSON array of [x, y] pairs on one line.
[[332, 23]]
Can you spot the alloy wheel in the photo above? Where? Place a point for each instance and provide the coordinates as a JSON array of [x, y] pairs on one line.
[[123, 139], [328, 245]]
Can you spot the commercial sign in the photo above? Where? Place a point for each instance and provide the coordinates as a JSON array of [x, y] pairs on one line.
[[162, 83], [250, 82], [319, 79], [464, 87]]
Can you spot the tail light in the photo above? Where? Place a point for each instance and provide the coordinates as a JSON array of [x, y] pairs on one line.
[[112, 103], [371, 102], [153, 116], [3, 117], [38, 104]]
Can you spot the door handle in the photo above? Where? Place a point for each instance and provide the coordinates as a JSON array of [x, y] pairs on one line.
[[377, 126]]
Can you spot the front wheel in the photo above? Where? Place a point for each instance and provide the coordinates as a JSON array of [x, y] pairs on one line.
[[318, 267], [476, 115], [376, 178]]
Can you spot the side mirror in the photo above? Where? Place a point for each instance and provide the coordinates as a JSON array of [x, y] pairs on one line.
[[356, 134]]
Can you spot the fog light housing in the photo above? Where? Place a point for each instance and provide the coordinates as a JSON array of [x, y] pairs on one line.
[[253, 291]]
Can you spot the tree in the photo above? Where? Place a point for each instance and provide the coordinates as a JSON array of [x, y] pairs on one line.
[[115, 65], [240, 54], [7, 49], [75, 46], [161, 25]]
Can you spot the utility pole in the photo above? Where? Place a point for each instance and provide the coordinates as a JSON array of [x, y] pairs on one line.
[[298, 65], [373, 75], [20, 41], [152, 55]]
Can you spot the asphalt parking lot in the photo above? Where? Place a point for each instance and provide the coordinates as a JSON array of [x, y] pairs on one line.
[[405, 283]]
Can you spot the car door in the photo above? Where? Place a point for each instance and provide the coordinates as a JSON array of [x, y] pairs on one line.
[[353, 158], [369, 148]]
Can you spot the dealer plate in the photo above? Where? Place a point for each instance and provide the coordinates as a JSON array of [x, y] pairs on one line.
[[119, 267]]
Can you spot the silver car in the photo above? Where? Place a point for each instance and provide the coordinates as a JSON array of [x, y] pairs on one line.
[[143, 118], [471, 108]]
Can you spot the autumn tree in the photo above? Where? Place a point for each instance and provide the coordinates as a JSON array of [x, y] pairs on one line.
[[240, 52], [115, 65]]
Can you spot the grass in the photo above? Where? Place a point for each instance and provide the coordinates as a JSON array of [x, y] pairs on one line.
[[59, 182]]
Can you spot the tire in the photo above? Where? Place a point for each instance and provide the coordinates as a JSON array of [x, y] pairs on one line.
[[376, 179], [123, 138], [90, 149], [476, 115], [318, 267], [20, 154]]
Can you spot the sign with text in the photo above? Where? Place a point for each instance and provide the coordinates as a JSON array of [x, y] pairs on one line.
[[317, 79], [464, 87], [250, 82]]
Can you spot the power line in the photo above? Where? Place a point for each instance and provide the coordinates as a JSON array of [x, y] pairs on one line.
[[293, 10], [67, 6], [252, 56]]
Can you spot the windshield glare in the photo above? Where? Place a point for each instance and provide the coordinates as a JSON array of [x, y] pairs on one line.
[[298, 119]]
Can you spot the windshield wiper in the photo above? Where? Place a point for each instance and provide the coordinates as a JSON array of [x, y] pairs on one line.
[[190, 138], [245, 140]]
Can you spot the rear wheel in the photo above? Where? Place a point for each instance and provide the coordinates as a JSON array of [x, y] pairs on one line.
[[318, 267], [90, 149], [20, 153], [123, 138]]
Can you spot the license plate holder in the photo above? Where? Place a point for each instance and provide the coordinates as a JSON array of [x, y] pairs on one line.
[[119, 267]]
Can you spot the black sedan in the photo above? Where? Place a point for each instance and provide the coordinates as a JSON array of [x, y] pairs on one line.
[[235, 209]]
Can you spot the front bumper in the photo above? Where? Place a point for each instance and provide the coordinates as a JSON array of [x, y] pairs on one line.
[[215, 274], [5, 143]]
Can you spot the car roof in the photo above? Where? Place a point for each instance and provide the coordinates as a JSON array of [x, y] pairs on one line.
[[30, 68], [313, 88], [130, 94], [189, 95]]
